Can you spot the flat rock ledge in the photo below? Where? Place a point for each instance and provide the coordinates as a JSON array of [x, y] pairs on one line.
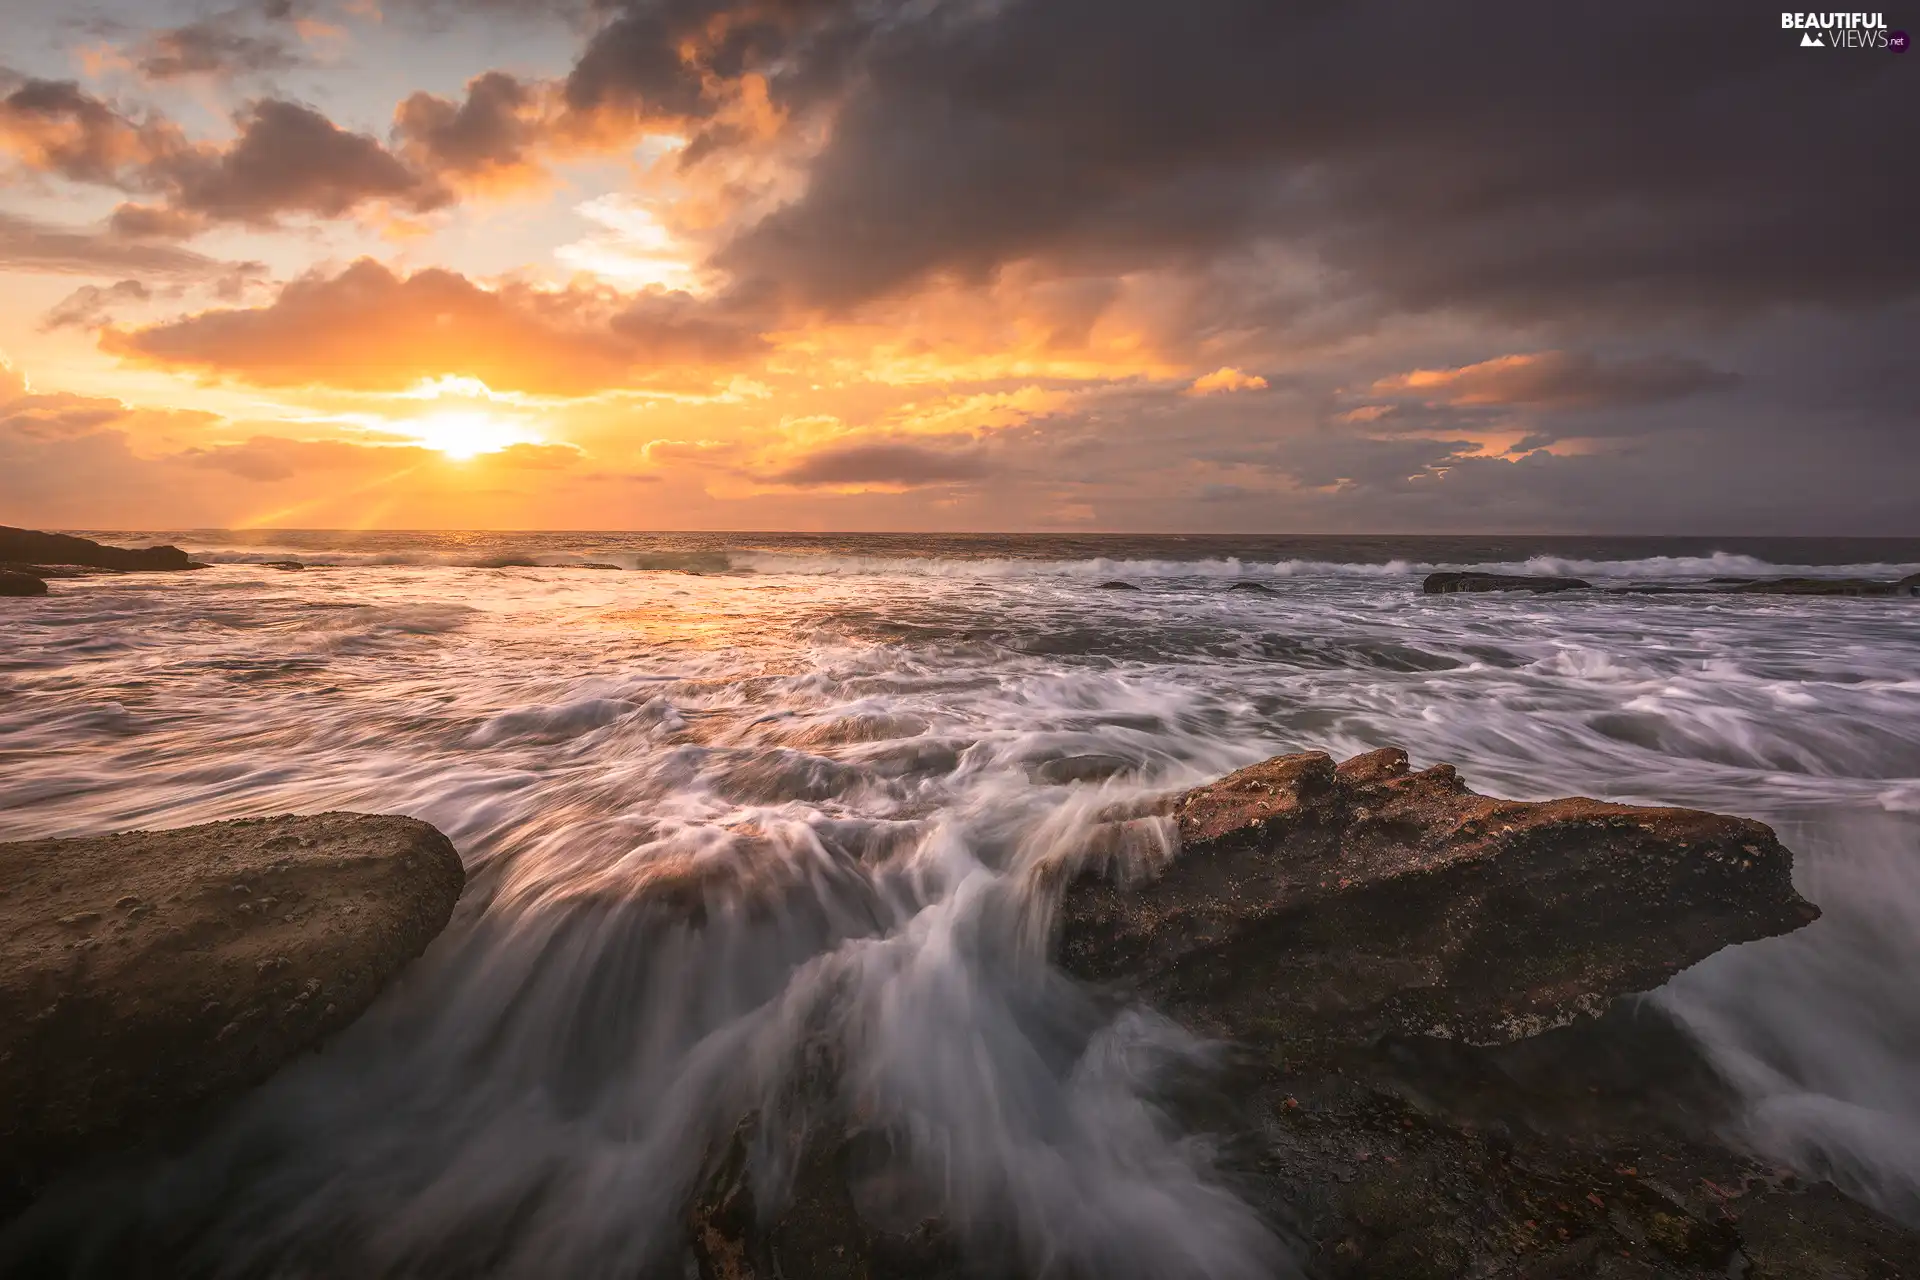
[[146, 974], [28, 558]]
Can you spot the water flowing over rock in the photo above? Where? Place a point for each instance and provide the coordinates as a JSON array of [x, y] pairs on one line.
[[148, 973], [28, 546]]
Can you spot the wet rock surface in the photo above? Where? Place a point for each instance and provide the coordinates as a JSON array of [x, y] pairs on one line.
[[31, 547], [147, 974], [1411, 971], [13, 583], [1448, 583], [1437, 1070], [1312, 904]]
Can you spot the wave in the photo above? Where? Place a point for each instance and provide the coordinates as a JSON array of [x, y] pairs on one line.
[[810, 564], [1718, 564]]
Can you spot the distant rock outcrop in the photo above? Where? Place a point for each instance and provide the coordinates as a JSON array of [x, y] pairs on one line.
[[1450, 582], [28, 547], [146, 973], [1438, 584]]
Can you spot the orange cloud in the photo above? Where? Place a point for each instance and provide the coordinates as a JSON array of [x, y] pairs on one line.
[[1556, 380], [1226, 379], [368, 329]]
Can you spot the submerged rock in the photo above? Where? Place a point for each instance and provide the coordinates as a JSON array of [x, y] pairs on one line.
[[147, 973], [32, 547], [1447, 583], [21, 584], [1117, 585]]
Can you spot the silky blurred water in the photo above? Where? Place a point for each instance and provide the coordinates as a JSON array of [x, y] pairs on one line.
[[836, 749]]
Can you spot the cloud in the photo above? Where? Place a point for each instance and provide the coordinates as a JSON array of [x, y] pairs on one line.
[[370, 329], [56, 127], [1558, 380], [86, 307], [1486, 164], [489, 136], [287, 159], [272, 458], [218, 46], [1227, 379], [882, 464], [291, 159], [29, 245]]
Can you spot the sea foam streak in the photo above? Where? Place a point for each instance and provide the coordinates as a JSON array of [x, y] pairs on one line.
[[736, 835]]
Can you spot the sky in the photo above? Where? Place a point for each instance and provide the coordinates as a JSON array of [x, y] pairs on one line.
[[1229, 266]]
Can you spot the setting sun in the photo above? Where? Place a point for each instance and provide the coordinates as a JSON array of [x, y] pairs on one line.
[[461, 434]]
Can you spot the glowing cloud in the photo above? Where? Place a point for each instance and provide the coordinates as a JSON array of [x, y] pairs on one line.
[[1224, 380]]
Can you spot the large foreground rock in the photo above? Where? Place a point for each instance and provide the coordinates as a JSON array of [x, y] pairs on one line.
[[30, 547], [1407, 968], [1311, 903], [146, 973]]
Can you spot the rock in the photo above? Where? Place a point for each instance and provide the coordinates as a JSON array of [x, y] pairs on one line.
[[146, 974], [1447, 583], [1117, 585], [743, 1228], [21, 584], [1082, 768], [1310, 904], [1406, 968], [1909, 586], [286, 565], [63, 549], [1261, 587]]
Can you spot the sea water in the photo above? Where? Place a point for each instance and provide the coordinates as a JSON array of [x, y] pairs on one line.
[[739, 801]]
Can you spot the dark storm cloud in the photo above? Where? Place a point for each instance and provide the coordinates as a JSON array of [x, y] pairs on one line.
[[663, 57], [1507, 157], [905, 465]]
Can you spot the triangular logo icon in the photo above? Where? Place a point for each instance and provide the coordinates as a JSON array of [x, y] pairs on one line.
[[1812, 41]]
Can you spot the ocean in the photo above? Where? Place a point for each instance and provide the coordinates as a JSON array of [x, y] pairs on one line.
[[857, 728]]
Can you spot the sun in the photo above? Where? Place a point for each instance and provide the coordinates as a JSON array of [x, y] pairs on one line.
[[461, 434]]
